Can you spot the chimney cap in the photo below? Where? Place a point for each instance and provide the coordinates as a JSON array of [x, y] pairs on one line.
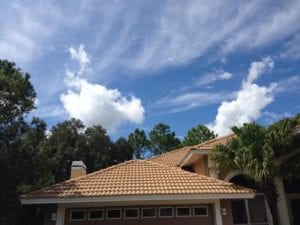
[[78, 164]]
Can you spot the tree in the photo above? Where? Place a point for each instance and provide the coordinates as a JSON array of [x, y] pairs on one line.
[[65, 144], [122, 151], [23, 164], [162, 139], [260, 153], [17, 95], [98, 147], [197, 135], [139, 142]]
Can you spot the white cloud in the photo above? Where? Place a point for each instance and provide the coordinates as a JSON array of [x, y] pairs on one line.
[[213, 77], [192, 100], [146, 36], [95, 104], [289, 84], [25, 28], [258, 68], [177, 32], [81, 56], [272, 117], [249, 102], [292, 48]]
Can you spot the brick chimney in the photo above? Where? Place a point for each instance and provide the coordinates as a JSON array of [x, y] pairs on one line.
[[78, 169]]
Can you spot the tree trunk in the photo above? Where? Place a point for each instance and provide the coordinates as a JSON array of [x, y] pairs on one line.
[[269, 188]]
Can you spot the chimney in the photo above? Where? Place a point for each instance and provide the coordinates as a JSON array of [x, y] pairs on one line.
[[78, 169]]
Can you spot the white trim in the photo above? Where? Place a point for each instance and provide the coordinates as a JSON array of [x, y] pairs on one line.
[[149, 217], [190, 154], [166, 207], [60, 215], [117, 218], [232, 174], [183, 207], [200, 206], [217, 210], [77, 210], [129, 218], [137, 198], [93, 209]]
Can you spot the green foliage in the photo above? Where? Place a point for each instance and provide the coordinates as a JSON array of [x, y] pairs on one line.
[[162, 139], [260, 153], [23, 166], [197, 135], [29, 159], [122, 151], [140, 143], [17, 95]]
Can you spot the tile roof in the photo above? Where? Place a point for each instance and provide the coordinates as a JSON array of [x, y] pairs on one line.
[[172, 158], [207, 145], [137, 177], [175, 157]]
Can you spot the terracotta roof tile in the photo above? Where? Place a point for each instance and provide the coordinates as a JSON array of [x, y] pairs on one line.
[[207, 145], [172, 158], [137, 177], [175, 157]]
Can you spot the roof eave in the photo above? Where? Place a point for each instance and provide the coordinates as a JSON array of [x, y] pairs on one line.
[[136, 198], [187, 159]]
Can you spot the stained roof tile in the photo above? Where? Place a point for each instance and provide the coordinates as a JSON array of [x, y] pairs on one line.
[[138, 177]]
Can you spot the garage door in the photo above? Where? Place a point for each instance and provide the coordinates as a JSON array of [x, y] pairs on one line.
[[141, 215]]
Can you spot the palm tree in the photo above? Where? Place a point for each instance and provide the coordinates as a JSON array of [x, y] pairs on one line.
[[260, 154]]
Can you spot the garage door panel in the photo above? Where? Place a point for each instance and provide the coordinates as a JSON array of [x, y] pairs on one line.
[[191, 220]]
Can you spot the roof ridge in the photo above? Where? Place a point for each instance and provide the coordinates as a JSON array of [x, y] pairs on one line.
[[167, 153], [215, 139], [85, 176]]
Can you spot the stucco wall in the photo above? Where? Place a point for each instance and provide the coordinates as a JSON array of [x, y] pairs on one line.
[[201, 166], [227, 219]]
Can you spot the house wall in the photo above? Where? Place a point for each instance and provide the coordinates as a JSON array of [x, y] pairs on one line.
[[201, 166], [205, 220], [227, 219]]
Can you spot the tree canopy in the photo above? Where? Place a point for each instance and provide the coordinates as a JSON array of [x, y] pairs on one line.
[[197, 135], [162, 139], [140, 143], [261, 154], [17, 95]]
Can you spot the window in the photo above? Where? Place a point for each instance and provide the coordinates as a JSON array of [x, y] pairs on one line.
[[166, 212], [132, 213], [149, 212], [78, 214], [183, 211], [200, 211], [96, 214], [239, 213], [113, 214]]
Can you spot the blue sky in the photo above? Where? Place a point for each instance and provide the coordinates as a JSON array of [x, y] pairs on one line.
[[128, 64]]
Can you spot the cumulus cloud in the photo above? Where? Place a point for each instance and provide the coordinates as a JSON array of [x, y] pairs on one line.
[[96, 104], [249, 102]]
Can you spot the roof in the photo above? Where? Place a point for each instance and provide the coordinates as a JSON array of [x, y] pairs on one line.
[[207, 145], [137, 177], [175, 157], [172, 158]]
